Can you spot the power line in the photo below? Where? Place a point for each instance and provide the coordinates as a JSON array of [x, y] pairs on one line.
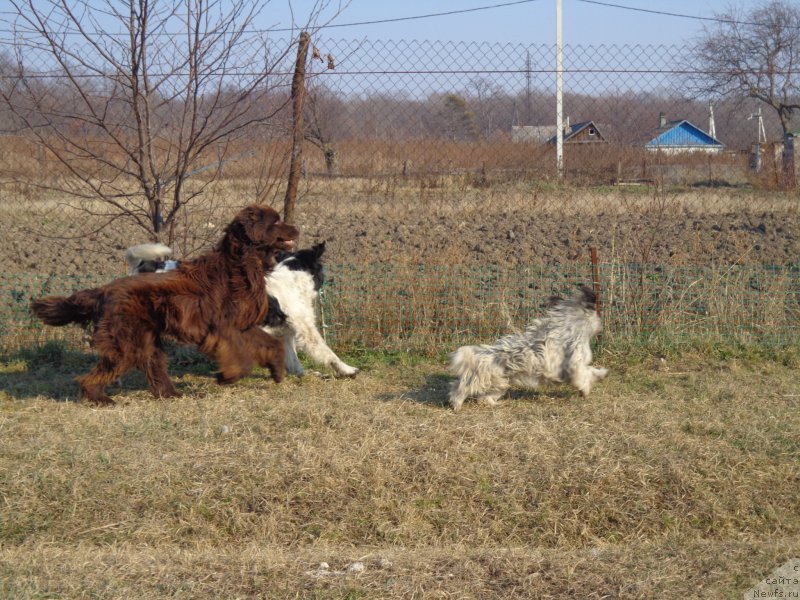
[[464, 11], [667, 14], [426, 16], [339, 73], [358, 23]]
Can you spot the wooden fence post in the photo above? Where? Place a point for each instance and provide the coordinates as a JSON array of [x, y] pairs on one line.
[[596, 281], [298, 127]]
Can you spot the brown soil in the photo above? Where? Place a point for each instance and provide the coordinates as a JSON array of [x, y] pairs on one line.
[[517, 238], [505, 238]]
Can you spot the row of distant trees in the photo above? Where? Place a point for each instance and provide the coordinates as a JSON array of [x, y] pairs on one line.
[[332, 116], [139, 95], [461, 116]]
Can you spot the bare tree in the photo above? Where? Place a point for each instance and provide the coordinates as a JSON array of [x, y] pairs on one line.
[[132, 98], [323, 118], [298, 126], [754, 54], [486, 102]]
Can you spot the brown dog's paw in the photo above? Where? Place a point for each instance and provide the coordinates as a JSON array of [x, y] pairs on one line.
[[224, 379], [98, 401]]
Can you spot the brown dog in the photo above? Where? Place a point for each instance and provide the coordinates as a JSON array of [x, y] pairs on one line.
[[216, 301]]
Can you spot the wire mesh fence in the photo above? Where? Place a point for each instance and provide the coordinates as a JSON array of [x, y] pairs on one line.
[[433, 308], [410, 108], [436, 308]]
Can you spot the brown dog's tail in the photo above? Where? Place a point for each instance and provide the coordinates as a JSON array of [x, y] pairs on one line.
[[60, 310]]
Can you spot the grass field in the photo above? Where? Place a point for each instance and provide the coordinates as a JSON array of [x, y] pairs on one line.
[[677, 478]]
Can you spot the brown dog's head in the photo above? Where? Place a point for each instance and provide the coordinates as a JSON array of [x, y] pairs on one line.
[[260, 228]]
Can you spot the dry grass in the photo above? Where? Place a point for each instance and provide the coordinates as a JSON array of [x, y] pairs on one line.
[[434, 174], [458, 196], [673, 480], [433, 195], [26, 160], [426, 308]]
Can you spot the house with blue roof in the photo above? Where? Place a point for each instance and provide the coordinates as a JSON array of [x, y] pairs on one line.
[[673, 137]]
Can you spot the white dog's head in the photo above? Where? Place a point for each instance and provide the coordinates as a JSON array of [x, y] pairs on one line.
[[580, 307]]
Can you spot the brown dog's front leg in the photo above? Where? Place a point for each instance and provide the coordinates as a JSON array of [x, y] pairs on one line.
[[268, 352], [230, 352]]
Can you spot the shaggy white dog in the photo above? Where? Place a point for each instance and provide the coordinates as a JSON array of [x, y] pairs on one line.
[[292, 289], [554, 348]]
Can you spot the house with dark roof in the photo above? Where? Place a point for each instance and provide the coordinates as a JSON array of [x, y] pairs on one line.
[[579, 133], [585, 132], [673, 137]]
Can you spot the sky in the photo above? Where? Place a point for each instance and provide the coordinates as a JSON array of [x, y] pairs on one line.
[[586, 22], [528, 22]]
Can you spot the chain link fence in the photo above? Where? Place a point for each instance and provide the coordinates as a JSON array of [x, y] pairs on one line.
[[414, 108], [422, 107]]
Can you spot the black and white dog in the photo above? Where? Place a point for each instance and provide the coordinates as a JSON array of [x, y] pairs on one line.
[[553, 348], [292, 289]]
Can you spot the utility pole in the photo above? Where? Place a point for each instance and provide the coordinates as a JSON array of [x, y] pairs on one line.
[[712, 127], [559, 94], [762, 134], [756, 149]]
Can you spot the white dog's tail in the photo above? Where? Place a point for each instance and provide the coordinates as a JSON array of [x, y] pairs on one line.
[[135, 256], [463, 359]]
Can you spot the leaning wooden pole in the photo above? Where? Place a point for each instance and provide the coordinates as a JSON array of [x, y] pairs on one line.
[[596, 281], [298, 127]]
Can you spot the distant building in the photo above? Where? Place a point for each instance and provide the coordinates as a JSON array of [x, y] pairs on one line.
[[673, 137], [581, 133], [532, 134]]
